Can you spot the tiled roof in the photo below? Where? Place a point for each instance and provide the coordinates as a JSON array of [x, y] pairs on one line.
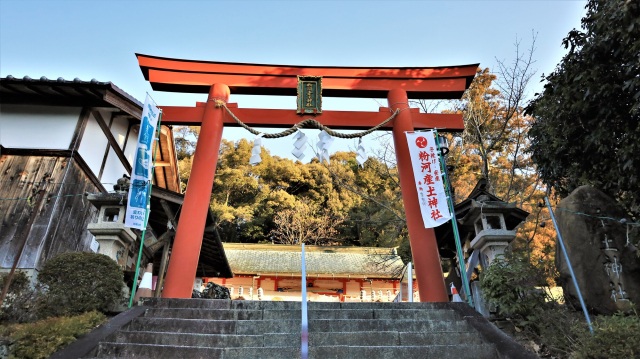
[[363, 262], [67, 92]]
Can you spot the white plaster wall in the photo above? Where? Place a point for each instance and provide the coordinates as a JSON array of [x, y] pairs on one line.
[[119, 130], [130, 148], [93, 145], [37, 127], [113, 170]]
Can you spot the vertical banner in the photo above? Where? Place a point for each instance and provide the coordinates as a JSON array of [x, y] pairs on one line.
[[142, 163], [425, 161]]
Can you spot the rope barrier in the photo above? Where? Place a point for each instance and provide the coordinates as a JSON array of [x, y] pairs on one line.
[[304, 123], [620, 220]]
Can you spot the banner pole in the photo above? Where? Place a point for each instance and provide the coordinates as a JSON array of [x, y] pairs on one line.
[[454, 223], [146, 216]]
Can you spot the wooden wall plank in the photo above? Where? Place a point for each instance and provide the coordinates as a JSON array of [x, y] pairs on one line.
[[61, 224]]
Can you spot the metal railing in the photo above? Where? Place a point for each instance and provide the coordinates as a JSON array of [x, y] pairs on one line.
[[408, 275], [304, 330]]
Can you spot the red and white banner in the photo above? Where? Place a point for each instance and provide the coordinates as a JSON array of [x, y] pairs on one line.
[[425, 161]]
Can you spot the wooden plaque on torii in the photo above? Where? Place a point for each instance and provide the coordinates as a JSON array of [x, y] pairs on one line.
[[218, 79]]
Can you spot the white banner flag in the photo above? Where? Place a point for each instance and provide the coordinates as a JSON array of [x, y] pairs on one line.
[[425, 162], [142, 163]]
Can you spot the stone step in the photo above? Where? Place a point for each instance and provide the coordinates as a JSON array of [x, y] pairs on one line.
[[126, 350], [190, 339], [273, 314], [203, 328], [385, 305], [401, 325], [207, 314], [476, 351], [280, 305], [387, 338], [377, 338], [252, 327]]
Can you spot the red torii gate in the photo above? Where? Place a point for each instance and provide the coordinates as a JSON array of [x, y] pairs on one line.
[[219, 78]]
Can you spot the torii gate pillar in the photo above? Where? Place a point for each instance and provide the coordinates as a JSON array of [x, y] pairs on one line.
[[193, 217], [424, 248]]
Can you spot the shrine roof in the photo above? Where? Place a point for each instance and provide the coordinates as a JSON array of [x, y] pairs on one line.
[[195, 76], [354, 262], [167, 206], [62, 92], [478, 200]]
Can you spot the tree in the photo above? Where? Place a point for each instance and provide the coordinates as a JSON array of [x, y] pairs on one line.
[[305, 223], [79, 282], [491, 105], [587, 119], [185, 140]]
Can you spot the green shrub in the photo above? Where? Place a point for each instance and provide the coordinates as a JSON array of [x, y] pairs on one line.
[[41, 339], [554, 331], [18, 304], [79, 282], [510, 284], [614, 337]]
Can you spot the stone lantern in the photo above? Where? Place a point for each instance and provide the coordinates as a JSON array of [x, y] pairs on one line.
[[492, 235], [487, 226], [114, 238]]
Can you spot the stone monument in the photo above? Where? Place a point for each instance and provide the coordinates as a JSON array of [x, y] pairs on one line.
[[600, 246]]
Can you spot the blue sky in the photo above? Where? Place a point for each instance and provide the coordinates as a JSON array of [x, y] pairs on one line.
[[98, 39]]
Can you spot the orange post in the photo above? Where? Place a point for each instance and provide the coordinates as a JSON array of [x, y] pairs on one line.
[[186, 248], [424, 248]]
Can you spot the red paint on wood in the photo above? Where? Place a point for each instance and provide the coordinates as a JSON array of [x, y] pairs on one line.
[[245, 84], [352, 120], [181, 75], [189, 234], [156, 62], [424, 248]]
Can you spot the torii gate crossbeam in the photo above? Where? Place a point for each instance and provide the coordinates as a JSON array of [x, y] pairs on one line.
[[219, 78]]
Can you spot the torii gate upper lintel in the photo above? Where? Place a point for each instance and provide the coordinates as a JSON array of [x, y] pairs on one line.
[[220, 78]]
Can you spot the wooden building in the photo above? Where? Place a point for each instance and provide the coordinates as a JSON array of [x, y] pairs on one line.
[[62, 143], [272, 272]]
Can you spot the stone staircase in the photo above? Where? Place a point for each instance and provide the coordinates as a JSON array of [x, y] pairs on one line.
[[201, 328]]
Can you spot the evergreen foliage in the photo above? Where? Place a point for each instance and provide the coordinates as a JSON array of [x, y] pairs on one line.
[[512, 285], [79, 282], [40, 339], [615, 337], [282, 201], [509, 284], [18, 305], [588, 117]]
